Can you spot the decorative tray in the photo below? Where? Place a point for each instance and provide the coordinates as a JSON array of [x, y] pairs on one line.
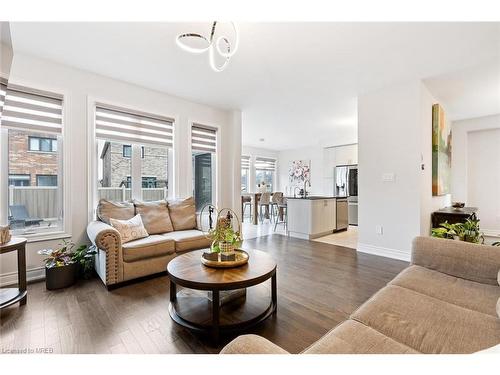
[[241, 259]]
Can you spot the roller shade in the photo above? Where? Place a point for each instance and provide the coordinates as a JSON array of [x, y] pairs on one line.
[[133, 127], [29, 109], [245, 162], [266, 164], [203, 138], [3, 90]]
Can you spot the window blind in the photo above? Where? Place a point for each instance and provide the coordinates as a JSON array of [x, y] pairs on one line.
[[245, 162], [203, 138], [266, 164], [29, 109], [3, 90], [133, 127]]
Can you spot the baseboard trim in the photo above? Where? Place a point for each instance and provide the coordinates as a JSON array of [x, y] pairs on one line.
[[491, 233], [32, 275], [384, 252]]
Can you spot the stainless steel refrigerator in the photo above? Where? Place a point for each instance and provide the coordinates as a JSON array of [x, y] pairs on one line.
[[346, 185]]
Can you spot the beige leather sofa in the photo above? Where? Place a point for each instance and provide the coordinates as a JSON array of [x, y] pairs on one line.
[[172, 229], [446, 301]]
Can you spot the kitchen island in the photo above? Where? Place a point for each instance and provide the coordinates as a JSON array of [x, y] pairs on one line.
[[311, 217]]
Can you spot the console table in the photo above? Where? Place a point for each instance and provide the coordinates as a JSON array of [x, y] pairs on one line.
[[9, 296], [452, 216]]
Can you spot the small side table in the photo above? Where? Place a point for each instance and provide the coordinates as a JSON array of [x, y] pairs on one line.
[[9, 296]]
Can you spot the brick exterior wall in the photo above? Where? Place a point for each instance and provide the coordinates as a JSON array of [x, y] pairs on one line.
[[33, 163], [116, 167]]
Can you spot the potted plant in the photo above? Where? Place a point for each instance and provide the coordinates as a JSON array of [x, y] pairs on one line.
[[60, 267], [468, 231], [224, 238], [83, 256]]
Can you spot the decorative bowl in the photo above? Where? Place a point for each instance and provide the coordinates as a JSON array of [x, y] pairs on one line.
[[241, 258], [458, 206]]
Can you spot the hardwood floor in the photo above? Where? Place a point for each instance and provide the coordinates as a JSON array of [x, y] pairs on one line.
[[319, 285]]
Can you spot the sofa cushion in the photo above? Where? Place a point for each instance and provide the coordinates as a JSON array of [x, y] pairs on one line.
[[116, 210], [182, 213], [427, 324], [188, 240], [461, 292], [352, 337], [131, 229], [155, 216], [152, 246]]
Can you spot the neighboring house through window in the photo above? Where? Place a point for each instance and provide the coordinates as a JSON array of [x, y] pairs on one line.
[[19, 180], [33, 158], [42, 144]]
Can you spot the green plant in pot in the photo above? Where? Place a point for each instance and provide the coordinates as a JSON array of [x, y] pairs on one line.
[[224, 237], [84, 257], [468, 231], [63, 265]]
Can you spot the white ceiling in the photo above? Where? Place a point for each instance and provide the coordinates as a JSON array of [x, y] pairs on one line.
[[296, 83]]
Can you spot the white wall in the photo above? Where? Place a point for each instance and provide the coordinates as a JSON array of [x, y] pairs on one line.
[[314, 154], [5, 60], [394, 140], [483, 177], [78, 86], [459, 152]]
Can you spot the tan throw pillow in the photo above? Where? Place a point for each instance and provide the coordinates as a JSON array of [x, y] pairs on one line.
[[182, 213], [129, 230], [155, 216], [116, 210]]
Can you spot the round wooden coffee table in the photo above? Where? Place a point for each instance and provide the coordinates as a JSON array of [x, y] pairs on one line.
[[202, 314]]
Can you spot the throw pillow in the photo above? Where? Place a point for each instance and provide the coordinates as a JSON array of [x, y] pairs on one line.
[[131, 229], [116, 210], [155, 216], [182, 213]]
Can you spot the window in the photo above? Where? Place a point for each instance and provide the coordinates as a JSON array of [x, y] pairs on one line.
[[245, 173], [203, 147], [127, 151], [32, 121], [132, 144], [264, 172], [19, 180], [42, 144], [46, 180]]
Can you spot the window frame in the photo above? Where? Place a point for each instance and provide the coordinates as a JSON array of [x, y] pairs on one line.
[[20, 179], [39, 139], [216, 159], [92, 144], [64, 167], [46, 175]]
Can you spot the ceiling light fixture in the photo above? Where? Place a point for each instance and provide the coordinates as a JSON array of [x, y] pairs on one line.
[[220, 46]]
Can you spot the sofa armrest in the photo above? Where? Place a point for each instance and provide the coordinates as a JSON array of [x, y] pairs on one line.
[[465, 260], [108, 239], [252, 344]]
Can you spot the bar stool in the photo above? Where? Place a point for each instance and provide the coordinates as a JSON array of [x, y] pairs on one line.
[[282, 207], [275, 201], [247, 202], [264, 202]]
